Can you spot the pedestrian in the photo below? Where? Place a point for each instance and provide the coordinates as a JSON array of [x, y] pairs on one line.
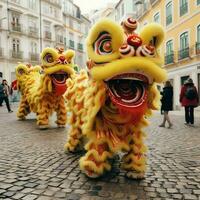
[[189, 99], [166, 103], [4, 94]]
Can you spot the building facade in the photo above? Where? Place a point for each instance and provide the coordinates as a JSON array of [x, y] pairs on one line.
[[28, 26], [181, 48]]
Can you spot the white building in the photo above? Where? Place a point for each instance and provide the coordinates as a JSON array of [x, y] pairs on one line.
[[117, 12], [28, 26]]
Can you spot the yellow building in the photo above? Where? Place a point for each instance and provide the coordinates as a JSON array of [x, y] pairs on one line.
[[181, 49]]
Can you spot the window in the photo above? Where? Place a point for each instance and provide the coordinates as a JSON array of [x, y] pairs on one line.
[[32, 4], [15, 19], [16, 45], [198, 40], [184, 40], [183, 79], [71, 23], [156, 17], [184, 46], [169, 13], [122, 10], [169, 58], [169, 47], [183, 7], [198, 2], [71, 40], [33, 47], [198, 33]]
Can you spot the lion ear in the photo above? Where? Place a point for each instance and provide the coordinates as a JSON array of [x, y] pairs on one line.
[[152, 34], [104, 31], [21, 69]]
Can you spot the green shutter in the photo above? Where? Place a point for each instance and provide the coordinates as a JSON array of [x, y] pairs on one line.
[[169, 13]]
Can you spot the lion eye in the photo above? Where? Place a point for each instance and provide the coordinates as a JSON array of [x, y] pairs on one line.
[[48, 58], [103, 44]]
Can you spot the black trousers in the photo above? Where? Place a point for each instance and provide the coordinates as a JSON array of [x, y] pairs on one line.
[[189, 114], [7, 102]]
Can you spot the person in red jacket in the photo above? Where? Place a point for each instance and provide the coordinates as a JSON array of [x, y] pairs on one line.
[[189, 99]]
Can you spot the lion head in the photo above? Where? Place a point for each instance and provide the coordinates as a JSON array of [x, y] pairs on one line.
[[128, 63], [57, 67]]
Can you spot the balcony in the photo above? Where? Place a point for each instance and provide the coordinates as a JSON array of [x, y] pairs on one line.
[[1, 52], [139, 13], [183, 9], [71, 44], [169, 58], [168, 19], [80, 47], [153, 1], [47, 35], [17, 54], [197, 47], [183, 53], [33, 31], [16, 27], [59, 39], [55, 3], [34, 56]]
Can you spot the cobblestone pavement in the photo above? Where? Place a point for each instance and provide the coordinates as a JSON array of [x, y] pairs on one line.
[[34, 166]]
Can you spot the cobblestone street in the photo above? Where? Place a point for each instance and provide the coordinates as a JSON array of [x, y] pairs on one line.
[[33, 164]]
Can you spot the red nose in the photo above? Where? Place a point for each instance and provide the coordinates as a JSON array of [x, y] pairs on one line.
[[62, 58]]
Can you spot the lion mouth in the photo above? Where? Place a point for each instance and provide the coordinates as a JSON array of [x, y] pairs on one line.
[[59, 82], [128, 90], [59, 77]]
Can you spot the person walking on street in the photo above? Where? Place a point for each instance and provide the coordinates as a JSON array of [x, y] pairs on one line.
[[167, 103], [4, 94], [189, 99]]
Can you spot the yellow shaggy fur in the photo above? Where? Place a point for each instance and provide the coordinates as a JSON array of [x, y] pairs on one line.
[[97, 118], [37, 90]]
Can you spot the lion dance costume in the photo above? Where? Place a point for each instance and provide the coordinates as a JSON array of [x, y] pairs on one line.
[[109, 105], [42, 88]]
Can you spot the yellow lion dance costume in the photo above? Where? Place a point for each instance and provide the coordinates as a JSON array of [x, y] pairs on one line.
[[110, 105], [42, 88]]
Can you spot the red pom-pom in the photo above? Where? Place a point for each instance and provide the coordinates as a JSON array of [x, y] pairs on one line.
[[134, 40]]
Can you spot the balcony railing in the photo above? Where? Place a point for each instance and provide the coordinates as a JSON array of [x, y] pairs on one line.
[[168, 19], [1, 52], [34, 56], [80, 47], [33, 31], [169, 58], [17, 54], [71, 44], [16, 27], [183, 53], [197, 48], [59, 39], [56, 2], [183, 9], [47, 35], [153, 2]]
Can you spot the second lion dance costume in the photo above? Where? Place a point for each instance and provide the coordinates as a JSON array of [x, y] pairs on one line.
[[42, 88], [109, 105]]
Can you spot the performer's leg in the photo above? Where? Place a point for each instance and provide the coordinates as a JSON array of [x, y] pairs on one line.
[[135, 160], [61, 113], [95, 162], [74, 141], [43, 115], [23, 109]]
